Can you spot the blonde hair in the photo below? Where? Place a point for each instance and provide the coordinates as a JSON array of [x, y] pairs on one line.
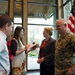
[[48, 30]]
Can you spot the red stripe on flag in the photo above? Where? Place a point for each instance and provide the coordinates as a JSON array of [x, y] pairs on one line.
[[71, 29], [71, 19], [71, 23]]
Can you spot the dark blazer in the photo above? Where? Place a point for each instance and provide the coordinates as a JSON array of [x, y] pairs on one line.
[[48, 51]]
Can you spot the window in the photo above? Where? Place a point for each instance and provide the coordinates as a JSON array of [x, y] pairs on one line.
[[3, 7], [67, 9], [35, 30], [40, 21]]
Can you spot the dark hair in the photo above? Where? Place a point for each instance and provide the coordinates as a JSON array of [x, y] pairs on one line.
[[4, 19], [17, 32]]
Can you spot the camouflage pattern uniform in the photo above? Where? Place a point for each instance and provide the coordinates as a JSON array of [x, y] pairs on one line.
[[65, 47]]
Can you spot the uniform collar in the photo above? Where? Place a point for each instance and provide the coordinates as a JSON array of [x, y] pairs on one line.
[[64, 35]]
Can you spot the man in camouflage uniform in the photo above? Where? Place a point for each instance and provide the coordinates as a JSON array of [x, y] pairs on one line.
[[65, 48]]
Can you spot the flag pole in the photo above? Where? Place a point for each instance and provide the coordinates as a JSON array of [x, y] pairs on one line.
[[74, 15]]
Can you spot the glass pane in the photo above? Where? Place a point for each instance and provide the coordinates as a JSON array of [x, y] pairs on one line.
[[35, 35], [67, 9], [40, 14], [17, 20], [17, 13], [43, 1], [3, 7], [18, 9], [41, 21], [41, 11], [64, 1]]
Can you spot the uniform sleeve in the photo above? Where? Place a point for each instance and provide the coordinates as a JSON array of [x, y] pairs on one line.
[[72, 43], [13, 47]]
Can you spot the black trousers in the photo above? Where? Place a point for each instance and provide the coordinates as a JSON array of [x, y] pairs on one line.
[[46, 69], [10, 68]]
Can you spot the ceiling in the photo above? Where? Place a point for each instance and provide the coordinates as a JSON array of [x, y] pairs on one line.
[[36, 8]]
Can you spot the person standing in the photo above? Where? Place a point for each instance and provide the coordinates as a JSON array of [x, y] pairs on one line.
[[65, 48], [46, 53], [18, 50], [5, 29]]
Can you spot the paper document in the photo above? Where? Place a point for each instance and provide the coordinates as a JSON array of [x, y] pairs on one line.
[[32, 46]]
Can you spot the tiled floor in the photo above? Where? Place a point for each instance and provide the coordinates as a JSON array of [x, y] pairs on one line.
[[33, 73]]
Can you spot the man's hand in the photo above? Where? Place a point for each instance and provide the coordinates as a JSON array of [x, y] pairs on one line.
[[71, 70], [3, 72]]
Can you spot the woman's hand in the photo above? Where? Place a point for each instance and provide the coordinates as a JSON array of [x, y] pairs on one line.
[[25, 48], [40, 60], [31, 47]]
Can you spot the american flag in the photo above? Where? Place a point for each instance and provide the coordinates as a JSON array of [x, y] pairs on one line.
[[71, 23]]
